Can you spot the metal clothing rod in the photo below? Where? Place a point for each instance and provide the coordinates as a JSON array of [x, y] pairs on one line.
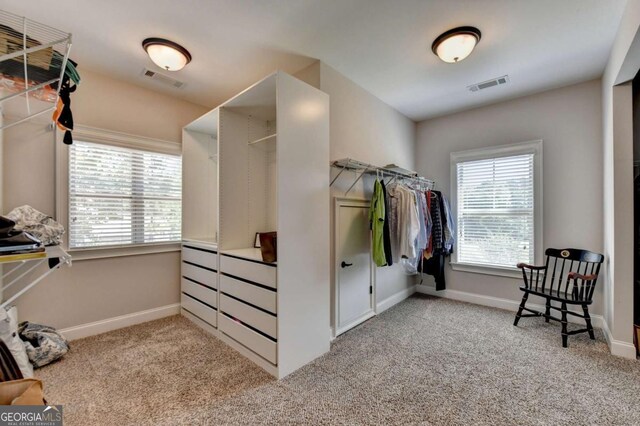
[[355, 165]]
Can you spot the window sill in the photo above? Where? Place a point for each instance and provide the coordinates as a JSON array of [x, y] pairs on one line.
[[486, 270], [109, 252]]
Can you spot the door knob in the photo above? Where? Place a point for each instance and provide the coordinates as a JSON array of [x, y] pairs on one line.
[[345, 264]]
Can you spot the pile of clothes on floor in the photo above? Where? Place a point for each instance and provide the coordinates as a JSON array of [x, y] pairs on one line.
[[23, 347], [31, 345]]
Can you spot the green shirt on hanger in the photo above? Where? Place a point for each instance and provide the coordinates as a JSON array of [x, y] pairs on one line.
[[376, 219]]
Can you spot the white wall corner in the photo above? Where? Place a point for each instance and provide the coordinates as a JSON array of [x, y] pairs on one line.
[[110, 324], [496, 302], [618, 347], [394, 299]]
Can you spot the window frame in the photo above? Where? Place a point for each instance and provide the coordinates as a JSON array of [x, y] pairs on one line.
[[530, 147], [117, 139]]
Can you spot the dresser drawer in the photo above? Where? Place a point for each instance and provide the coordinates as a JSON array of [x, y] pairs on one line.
[[198, 309], [204, 294], [252, 271], [260, 297], [201, 275], [259, 344], [207, 259], [257, 319]]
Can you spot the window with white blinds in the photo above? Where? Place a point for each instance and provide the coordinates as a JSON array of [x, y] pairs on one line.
[[496, 209], [120, 196]]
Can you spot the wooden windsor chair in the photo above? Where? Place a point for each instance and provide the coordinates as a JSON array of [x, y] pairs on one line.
[[568, 277]]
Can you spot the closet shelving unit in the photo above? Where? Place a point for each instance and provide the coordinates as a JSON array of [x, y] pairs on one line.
[[55, 256], [363, 168], [33, 59], [199, 281], [272, 142]]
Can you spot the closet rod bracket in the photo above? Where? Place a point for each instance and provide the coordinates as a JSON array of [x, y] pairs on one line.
[[356, 181]]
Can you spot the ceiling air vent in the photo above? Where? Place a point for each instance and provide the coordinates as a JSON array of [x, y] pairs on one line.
[[163, 79], [489, 83]]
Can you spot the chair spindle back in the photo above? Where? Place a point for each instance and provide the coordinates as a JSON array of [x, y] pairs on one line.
[[558, 277]]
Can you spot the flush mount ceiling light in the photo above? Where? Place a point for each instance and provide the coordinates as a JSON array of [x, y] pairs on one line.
[[166, 54], [456, 44]]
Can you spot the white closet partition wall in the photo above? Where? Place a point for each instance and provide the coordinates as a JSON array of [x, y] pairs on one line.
[[303, 222], [273, 146]]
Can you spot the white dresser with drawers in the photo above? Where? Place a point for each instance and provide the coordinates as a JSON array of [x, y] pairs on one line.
[[248, 310], [199, 283]]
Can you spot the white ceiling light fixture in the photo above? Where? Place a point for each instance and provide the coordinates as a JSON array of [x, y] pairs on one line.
[[456, 44], [166, 54]]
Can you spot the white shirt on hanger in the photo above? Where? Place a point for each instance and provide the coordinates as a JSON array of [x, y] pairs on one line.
[[408, 223]]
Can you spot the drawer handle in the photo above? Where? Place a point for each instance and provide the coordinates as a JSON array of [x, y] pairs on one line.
[[345, 264]]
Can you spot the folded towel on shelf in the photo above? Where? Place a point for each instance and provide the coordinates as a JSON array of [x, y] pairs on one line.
[[38, 224]]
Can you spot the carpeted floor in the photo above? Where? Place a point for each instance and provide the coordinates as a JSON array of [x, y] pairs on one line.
[[426, 361]]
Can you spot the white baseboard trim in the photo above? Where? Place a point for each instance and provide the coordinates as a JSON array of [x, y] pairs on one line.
[[618, 347], [109, 324], [497, 302], [394, 299]]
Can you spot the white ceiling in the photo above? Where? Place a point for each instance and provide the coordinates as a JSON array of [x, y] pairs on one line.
[[383, 45]]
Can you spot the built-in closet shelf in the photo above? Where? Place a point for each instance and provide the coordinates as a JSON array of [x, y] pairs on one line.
[[253, 254], [265, 139]]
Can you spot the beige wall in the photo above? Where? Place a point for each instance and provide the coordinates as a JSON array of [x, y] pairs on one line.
[[568, 120], [93, 290], [622, 66], [366, 129]]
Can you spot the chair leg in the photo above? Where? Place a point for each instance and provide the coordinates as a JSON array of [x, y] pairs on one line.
[[587, 319], [524, 302], [564, 325], [547, 311]]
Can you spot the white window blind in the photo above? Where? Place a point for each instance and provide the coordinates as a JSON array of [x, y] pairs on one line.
[[495, 211], [120, 196]]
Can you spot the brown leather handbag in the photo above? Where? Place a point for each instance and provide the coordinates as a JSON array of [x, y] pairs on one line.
[[269, 246]]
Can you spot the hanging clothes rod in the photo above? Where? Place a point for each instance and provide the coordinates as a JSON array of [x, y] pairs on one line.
[[365, 168]]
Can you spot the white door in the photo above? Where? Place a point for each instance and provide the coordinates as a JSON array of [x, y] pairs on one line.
[[353, 265]]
